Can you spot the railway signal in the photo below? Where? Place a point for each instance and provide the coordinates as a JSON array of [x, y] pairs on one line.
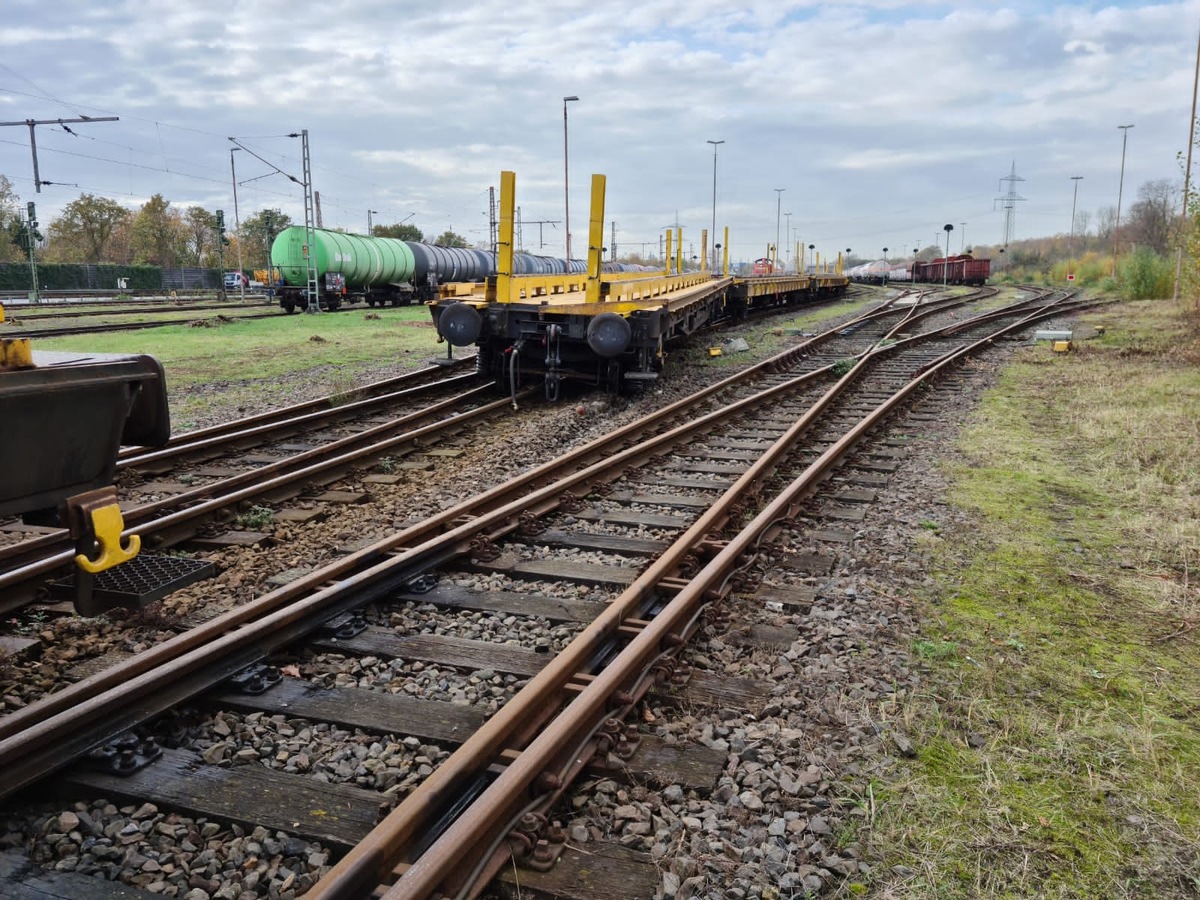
[[222, 240], [27, 237]]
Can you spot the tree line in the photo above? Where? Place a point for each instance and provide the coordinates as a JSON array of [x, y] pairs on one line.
[[93, 229]]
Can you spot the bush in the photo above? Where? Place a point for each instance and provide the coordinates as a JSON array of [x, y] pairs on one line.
[[1144, 275]]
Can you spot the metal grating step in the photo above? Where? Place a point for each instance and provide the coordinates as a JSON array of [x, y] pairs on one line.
[[142, 580]]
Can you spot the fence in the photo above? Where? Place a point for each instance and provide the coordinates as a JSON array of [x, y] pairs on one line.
[[72, 276]]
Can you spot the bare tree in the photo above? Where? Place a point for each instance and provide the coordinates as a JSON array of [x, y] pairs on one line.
[[201, 226], [1152, 218], [1106, 219]]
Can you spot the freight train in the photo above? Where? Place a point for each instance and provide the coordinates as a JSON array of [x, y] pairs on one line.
[[379, 270], [964, 269]]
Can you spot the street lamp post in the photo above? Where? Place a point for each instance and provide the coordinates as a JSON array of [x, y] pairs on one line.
[[884, 273], [1071, 245], [237, 225], [962, 246], [1120, 189], [778, 210], [787, 248], [566, 179], [811, 248], [714, 208], [946, 262], [370, 224]]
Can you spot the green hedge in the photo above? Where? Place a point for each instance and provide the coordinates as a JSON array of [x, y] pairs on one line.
[[71, 276]]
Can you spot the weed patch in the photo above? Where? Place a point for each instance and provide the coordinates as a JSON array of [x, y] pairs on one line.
[[1063, 758]]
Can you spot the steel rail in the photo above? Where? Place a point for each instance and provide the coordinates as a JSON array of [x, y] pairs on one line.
[[255, 430], [525, 767], [498, 509], [125, 326], [122, 310], [305, 406], [92, 711]]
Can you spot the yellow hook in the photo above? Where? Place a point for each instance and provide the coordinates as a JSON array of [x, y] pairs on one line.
[[107, 526]]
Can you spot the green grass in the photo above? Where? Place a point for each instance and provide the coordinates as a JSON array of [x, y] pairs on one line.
[[248, 361], [1059, 753]]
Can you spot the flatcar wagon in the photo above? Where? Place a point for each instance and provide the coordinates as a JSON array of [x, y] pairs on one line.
[[602, 328]]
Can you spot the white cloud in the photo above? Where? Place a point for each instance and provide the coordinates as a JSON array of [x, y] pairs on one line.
[[879, 117]]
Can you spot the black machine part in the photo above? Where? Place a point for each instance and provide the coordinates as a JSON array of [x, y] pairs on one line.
[[65, 420]]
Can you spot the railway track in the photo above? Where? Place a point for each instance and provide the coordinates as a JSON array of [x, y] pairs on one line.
[[673, 507], [213, 472], [67, 331], [66, 311], [167, 500]]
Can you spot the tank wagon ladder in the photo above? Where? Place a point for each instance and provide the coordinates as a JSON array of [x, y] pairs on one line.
[[310, 231]]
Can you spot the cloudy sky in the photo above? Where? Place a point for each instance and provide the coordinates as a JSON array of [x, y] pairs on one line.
[[882, 121]]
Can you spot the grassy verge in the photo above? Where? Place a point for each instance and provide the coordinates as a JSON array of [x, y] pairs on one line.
[[1059, 733], [270, 360]]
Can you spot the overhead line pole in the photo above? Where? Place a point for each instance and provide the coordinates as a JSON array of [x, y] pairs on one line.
[[1120, 190], [37, 179], [1187, 174], [237, 227]]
